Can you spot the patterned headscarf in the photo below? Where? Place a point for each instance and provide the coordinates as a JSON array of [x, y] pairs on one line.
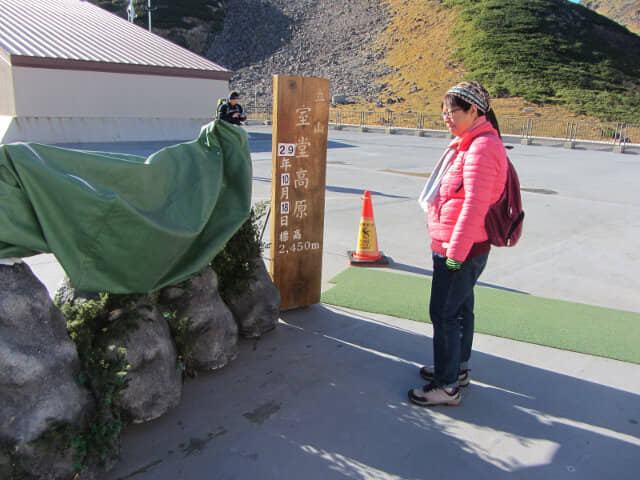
[[472, 92]]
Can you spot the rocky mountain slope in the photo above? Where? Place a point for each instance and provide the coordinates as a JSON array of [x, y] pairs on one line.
[[545, 58], [322, 38], [624, 12], [403, 54]]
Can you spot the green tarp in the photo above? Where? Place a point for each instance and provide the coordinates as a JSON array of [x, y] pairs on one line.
[[123, 223]]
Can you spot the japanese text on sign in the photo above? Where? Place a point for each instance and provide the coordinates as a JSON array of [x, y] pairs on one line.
[[299, 149]]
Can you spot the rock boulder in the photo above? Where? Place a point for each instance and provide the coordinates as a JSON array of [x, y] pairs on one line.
[[38, 377], [258, 308], [202, 321]]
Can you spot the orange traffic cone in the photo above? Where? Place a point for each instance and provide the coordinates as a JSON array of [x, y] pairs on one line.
[[367, 254]]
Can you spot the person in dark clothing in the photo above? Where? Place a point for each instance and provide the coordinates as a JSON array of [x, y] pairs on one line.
[[231, 111]]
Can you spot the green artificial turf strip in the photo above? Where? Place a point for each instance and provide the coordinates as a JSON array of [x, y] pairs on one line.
[[555, 323]]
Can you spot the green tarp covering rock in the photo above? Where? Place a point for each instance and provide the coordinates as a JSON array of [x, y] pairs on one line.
[[123, 223]]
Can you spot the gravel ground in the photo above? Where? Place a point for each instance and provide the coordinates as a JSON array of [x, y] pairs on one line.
[[317, 38]]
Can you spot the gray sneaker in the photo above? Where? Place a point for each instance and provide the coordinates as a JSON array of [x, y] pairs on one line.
[[429, 372], [431, 395]]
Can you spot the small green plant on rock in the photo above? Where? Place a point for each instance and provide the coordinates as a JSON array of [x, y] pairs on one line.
[[184, 338], [234, 264], [95, 326]]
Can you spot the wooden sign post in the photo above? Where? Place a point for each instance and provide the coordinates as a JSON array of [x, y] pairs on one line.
[[299, 164]]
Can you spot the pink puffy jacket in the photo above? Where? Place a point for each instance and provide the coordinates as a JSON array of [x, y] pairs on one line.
[[473, 182]]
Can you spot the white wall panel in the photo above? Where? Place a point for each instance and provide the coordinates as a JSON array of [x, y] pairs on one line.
[[43, 92]]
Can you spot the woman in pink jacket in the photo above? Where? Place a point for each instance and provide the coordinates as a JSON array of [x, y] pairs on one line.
[[468, 179]]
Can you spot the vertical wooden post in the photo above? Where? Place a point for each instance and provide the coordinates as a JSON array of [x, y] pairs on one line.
[[299, 164]]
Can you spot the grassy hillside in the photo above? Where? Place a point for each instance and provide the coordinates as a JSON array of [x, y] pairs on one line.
[[419, 45], [551, 51], [550, 57], [624, 12]]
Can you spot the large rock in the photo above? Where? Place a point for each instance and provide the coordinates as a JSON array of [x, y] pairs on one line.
[[39, 366], [155, 379], [212, 337], [258, 308]]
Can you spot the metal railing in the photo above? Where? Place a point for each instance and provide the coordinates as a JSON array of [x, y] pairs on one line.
[[259, 112], [612, 133], [387, 119], [569, 130]]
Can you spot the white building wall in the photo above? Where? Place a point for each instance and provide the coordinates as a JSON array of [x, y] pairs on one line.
[[72, 93], [7, 105], [59, 106]]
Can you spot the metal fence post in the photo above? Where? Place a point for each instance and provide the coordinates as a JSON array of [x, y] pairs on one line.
[[621, 138], [338, 120], [419, 124], [362, 122], [569, 135], [526, 132], [389, 122]]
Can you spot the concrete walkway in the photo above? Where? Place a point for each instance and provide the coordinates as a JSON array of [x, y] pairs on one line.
[[324, 396]]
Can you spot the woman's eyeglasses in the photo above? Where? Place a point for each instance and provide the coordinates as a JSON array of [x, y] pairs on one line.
[[450, 113]]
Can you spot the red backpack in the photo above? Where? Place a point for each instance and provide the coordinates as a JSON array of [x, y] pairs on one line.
[[504, 218]]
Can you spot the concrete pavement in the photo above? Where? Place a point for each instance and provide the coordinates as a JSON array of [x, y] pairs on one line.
[[324, 396]]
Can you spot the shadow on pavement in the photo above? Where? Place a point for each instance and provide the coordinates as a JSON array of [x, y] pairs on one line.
[[261, 142], [325, 397], [403, 267], [258, 143], [360, 191], [346, 190]]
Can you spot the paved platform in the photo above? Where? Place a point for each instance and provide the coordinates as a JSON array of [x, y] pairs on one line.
[[324, 396]]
